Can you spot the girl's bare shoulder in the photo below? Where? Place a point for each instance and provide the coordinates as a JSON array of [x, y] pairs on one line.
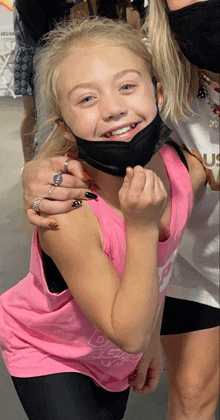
[[79, 225]]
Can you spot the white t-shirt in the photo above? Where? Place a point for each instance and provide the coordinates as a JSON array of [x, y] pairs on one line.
[[195, 275]]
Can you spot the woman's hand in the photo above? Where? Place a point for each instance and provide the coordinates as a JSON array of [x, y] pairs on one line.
[[38, 180], [142, 197], [146, 376]]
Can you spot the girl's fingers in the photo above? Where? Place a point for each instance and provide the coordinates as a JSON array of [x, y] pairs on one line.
[[159, 185], [129, 176], [127, 182], [160, 192], [139, 180], [152, 382], [149, 384], [140, 379]]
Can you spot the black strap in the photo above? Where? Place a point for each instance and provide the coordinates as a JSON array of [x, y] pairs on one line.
[[55, 282], [179, 151]]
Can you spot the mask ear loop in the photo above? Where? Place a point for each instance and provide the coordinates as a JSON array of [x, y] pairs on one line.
[[154, 81]]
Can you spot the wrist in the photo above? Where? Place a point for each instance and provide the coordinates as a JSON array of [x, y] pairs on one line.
[[147, 229]]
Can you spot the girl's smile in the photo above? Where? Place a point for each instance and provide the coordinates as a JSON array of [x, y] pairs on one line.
[[109, 95], [124, 132]]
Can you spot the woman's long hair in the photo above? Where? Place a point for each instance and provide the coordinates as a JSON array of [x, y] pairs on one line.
[[178, 76]]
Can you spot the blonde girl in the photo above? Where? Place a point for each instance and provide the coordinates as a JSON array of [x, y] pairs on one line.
[[84, 324]]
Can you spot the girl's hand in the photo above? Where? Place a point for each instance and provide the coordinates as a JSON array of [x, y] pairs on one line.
[[37, 181], [146, 376], [142, 197]]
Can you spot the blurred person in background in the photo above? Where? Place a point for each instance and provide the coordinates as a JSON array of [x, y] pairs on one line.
[[185, 39], [32, 20]]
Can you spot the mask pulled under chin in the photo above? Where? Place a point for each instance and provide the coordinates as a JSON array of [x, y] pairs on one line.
[[113, 157], [197, 30]]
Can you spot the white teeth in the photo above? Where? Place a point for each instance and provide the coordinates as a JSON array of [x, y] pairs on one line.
[[121, 130]]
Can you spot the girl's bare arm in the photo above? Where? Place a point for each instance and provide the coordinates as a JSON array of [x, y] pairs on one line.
[[124, 307]]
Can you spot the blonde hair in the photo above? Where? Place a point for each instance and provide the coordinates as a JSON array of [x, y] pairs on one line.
[[58, 44], [178, 76]]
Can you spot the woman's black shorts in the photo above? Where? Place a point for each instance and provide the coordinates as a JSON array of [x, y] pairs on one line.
[[68, 396], [182, 316]]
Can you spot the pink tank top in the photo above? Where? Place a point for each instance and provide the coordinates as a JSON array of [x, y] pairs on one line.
[[44, 333]]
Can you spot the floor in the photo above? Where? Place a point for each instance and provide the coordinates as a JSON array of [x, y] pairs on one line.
[[14, 262]]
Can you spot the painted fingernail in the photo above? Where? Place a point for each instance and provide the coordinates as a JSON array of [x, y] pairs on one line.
[[71, 156], [94, 186], [87, 176], [90, 195], [76, 203], [53, 224]]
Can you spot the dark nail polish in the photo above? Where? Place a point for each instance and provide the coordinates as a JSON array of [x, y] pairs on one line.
[[90, 195], [76, 203]]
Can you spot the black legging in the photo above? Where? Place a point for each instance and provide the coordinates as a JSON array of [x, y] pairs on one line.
[[69, 396]]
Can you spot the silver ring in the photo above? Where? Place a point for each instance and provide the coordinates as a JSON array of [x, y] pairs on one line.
[[52, 188], [36, 204], [58, 179], [65, 169]]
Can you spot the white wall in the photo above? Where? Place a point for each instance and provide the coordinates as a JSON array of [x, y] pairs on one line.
[[6, 44], [6, 19]]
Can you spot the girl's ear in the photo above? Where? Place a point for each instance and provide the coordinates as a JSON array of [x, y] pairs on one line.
[[160, 95], [65, 130]]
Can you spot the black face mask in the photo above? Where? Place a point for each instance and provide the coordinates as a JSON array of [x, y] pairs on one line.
[[113, 157], [197, 30]]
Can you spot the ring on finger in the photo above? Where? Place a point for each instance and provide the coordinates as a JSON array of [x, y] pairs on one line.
[[57, 179], [52, 188], [65, 169], [36, 204]]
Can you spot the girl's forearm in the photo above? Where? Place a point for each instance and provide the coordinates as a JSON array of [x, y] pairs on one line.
[[155, 338], [135, 306]]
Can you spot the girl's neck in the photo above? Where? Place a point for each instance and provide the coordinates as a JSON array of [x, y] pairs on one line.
[[108, 186]]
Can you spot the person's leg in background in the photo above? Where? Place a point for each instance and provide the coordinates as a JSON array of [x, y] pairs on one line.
[[192, 360]]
